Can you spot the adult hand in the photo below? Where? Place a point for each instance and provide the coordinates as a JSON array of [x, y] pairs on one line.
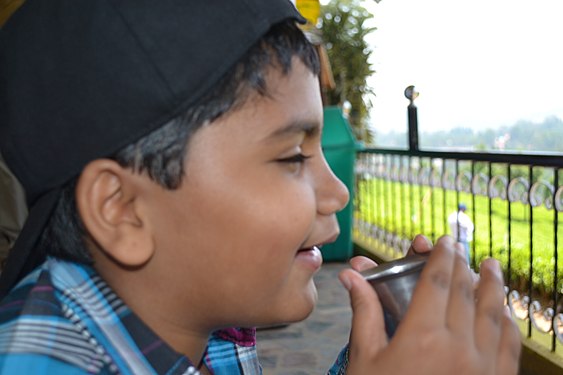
[[450, 328]]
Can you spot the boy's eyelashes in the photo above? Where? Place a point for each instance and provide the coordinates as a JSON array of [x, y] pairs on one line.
[[297, 158]]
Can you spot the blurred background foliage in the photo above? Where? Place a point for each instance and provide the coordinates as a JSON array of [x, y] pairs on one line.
[[344, 27]]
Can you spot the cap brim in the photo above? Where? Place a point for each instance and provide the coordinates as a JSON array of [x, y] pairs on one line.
[[24, 256]]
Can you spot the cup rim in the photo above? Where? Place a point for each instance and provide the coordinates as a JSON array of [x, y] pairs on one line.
[[395, 268]]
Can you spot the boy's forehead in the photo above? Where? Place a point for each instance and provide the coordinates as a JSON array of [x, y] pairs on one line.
[[292, 102]]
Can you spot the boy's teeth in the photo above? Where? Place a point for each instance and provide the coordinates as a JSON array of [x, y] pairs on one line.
[[310, 248]]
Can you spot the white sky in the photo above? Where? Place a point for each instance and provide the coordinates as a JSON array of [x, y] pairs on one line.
[[478, 63]]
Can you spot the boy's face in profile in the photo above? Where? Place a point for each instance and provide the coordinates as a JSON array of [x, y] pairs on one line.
[[238, 236]]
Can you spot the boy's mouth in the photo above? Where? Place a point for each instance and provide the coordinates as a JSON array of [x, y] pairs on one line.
[[319, 245], [312, 248], [310, 256]]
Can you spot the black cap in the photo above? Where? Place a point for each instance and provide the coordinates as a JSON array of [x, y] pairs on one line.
[[81, 79]]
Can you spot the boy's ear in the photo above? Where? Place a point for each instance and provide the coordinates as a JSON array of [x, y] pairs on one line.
[[107, 199]]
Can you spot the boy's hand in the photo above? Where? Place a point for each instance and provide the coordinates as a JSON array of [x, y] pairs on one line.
[[450, 328], [420, 245]]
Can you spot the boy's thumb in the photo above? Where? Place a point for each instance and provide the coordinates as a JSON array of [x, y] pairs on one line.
[[368, 327]]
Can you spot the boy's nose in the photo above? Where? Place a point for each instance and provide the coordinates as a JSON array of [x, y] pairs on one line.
[[333, 195]]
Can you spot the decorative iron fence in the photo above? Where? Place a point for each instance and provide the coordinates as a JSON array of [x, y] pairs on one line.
[[514, 201]]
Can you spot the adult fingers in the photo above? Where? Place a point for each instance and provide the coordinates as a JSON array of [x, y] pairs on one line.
[[367, 335]]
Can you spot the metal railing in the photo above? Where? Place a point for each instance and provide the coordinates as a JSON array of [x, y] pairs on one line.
[[514, 201]]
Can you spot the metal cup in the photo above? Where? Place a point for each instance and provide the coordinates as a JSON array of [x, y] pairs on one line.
[[394, 283]]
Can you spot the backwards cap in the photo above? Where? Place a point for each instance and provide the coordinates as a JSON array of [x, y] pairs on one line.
[[81, 79]]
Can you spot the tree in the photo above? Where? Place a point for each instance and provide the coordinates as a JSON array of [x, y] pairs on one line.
[[344, 31]]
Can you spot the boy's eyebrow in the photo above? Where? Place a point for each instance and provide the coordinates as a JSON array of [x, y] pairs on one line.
[[307, 127]]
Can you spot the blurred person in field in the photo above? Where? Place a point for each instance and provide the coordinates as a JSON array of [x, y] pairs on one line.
[[461, 227]]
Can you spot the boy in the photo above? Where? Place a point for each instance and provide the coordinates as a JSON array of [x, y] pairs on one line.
[[171, 157]]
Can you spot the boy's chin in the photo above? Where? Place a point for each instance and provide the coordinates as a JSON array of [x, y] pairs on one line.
[[294, 317], [297, 311]]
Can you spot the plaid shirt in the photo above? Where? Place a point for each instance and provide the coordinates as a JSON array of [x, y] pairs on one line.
[[64, 319]]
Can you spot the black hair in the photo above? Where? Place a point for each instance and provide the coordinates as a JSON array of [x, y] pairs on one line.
[[161, 153]]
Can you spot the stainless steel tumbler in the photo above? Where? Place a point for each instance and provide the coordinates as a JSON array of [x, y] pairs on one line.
[[394, 282]]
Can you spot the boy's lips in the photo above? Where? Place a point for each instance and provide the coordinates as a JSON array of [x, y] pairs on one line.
[[320, 244], [311, 256]]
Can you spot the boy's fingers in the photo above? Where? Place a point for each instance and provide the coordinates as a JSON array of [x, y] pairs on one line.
[[510, 346], [420, 245], [460, 249], [431, 296], [368, 328], [461, 307], [361, 263], [490, 307]]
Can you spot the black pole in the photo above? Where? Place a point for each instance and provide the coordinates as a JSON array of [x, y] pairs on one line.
[[413, 128], [411, 95]]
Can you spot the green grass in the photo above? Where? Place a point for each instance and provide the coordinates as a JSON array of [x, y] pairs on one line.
[[411, 209]]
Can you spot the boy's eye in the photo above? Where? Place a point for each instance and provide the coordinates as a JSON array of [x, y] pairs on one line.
[[297, 158]]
